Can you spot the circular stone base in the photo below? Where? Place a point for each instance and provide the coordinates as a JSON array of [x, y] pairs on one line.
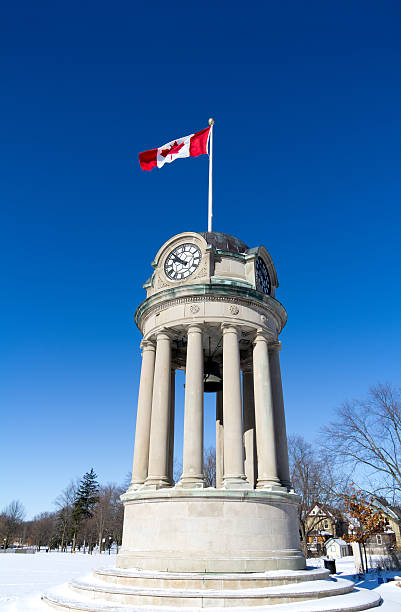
[[210, 530]]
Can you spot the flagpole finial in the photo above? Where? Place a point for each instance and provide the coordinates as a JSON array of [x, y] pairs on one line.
[[211, 121]]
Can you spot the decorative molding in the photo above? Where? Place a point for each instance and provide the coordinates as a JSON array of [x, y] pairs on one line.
[[234, 309], [234, 301], [147, 345], [162, 282], [194, 308], [202, 269], [261, 336]]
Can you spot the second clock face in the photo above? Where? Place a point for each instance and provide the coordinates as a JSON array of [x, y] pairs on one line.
[[262, 276], [182, 262]]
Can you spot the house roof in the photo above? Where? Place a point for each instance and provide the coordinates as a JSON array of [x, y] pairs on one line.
[[338, 541], [325, 511], [391, 511]]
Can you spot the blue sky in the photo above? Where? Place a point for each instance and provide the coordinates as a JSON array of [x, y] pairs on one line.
[[306, 98]]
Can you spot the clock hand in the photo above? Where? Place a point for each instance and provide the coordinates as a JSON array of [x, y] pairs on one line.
[[181, 261]]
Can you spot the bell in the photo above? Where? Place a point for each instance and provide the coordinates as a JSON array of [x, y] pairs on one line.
[[212, 381]]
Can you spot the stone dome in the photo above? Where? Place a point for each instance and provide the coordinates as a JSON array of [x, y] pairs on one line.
[[225, 242]]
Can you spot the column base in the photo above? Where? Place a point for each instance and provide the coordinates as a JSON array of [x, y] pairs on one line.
[[191, 482], [155, 483], [135, 486], [270, 485], [235, 482]]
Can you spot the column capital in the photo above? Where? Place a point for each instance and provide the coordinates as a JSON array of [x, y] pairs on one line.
[[275, 347], [229, 328], [261, 336], [194, 328], [163, 334], [147, 345]]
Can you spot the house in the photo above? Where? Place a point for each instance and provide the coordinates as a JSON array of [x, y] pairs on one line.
[[321, 523], [390, 538], [337, 548]]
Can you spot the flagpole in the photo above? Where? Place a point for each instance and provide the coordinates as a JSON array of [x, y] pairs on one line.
[[210, 208]]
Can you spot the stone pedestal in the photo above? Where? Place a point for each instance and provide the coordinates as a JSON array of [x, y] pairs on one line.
[[211, 531]]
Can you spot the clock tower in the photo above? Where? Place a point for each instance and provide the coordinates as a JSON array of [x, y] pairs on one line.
[[211, 311]]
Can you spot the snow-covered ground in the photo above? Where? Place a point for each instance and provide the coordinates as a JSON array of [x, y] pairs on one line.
[[23, 578], [389, 591]]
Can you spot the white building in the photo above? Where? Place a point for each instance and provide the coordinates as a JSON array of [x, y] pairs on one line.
[[337, 548]]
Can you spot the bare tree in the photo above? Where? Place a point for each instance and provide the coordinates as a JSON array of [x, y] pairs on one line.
[[43, 530], [117, 516], [367, 434], [312, 480], [177, 470], [103, 512], [64, 504], [209, 466], [11, 522]]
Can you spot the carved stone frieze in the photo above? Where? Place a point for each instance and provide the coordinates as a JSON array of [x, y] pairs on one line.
[[272, 322]]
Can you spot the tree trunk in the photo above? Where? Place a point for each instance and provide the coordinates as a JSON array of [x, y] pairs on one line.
[[366, 558], [100, 541], [304, 538], [361, 555]]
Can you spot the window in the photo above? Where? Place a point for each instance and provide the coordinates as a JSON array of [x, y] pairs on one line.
[[379, 539], [326, 524]]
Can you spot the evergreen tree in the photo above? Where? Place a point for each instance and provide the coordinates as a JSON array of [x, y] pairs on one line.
[[86, 498]]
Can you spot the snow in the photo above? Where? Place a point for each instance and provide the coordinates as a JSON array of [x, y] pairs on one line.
[[24, 578], [93, 584], [314, 573]]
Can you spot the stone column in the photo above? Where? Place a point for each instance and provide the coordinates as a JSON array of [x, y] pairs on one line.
[[159, 429], [143, 415], [234, 476], [170, 458], [264, 417], [219, 440], [250, 464], [279, 415], [192, 464]]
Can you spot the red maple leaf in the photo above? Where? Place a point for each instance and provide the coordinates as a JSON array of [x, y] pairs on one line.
[[175, 147]]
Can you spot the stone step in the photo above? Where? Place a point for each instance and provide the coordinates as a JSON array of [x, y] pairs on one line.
[[208, 581], [200, 598], [359, 599]]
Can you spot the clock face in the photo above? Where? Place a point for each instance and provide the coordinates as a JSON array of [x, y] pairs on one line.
[[262, 276], [182, 262]]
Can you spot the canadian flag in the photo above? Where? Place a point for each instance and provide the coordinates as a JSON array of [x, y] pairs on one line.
[[188, 146]]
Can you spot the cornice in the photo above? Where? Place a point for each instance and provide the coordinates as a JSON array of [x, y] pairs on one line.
[[231, 293]]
